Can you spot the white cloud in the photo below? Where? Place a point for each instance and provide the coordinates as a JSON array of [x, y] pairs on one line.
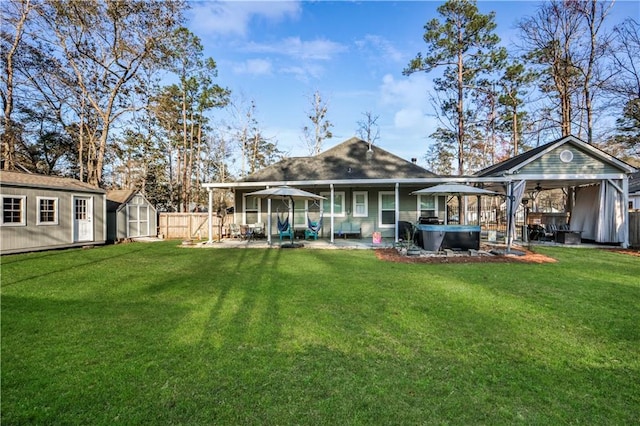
[[319, 49], [304, 72], [254, 67], [411, 91], [407, 118], [234, 17], [379, 48]]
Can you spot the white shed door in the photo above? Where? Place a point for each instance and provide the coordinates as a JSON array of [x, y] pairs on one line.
[[82, 219], [138, 220]]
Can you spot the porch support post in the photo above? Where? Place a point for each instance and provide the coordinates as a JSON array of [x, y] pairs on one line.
[[331, 210], [397, 212], [625, 210], [268, 230], [210, 212]]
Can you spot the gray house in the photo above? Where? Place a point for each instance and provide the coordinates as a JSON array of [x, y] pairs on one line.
[[130, 215], [368, 189], [46, 212]]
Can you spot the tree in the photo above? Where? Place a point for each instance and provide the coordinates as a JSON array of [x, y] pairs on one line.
[[182, 111], [320, 128], [368, 128], [549, 37], [15, 15], [514, 86], [464, 43], [593, 51], [104, 45]]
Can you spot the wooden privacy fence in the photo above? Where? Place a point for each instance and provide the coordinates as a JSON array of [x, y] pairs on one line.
[[191, 226], [634, 228]]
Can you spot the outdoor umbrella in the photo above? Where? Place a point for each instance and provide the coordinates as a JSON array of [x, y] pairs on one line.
[[454, 189], [286, 192]]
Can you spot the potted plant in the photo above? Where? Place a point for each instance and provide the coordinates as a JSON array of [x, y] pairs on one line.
[[407, 245]]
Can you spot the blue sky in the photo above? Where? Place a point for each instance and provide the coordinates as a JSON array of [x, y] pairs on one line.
[[353, 52]]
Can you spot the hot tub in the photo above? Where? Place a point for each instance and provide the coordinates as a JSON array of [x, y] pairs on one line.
[[455, 237]]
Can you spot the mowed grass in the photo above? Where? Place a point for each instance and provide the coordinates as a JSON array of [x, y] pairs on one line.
[[159, 334]]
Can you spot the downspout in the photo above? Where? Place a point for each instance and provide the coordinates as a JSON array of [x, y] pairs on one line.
[[397, 212], [331, 210], [210, 211]]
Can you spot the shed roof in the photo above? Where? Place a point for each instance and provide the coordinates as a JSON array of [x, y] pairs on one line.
[[32, 180], [350, 159], [120, 196]]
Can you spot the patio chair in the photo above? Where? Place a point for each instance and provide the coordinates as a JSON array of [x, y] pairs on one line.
[[284, 229], [234, 230], [312, 228]]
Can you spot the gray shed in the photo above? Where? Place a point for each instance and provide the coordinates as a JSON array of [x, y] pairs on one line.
[[130, 215], [48, 212]]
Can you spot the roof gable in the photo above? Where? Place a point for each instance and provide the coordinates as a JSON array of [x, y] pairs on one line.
[[120, 196], [548, 160], [32, 180], [349, 160]]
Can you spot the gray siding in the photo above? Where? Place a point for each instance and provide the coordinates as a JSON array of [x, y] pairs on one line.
[[370, 224], [33, 236], [582, 163]]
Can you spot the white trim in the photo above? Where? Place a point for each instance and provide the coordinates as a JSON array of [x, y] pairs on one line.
[[56, 212], [419, 202], [380, 194], [366, 203], [23, 210], [244, 208]]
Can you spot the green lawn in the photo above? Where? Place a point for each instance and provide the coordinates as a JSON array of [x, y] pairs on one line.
[[158, 334]]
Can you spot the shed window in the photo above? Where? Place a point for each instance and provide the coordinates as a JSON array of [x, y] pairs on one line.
[[13, 210], [47, 211]]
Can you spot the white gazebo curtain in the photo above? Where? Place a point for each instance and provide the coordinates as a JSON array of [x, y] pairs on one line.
[[515, 193], [599, 212]]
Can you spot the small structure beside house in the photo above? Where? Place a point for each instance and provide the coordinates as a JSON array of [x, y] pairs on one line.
[[48, 212], [634, 191], [130, 215]]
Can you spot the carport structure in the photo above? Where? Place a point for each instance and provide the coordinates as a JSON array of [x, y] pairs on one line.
[[596, 185]]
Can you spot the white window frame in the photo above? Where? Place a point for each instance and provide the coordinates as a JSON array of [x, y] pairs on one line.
[[419, 205], [366, 204], [23, 210], [380, 210], [327, 195], [39, 211], [245, 210]]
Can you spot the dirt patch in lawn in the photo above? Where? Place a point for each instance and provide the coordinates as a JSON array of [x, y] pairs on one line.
[[484, 256], [630, 252]]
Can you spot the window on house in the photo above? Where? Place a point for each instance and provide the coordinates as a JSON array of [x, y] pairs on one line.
[[251, 210], [387, 215], [427, 206], [360, 204], [47, 211], [338, 204], [13, 210]]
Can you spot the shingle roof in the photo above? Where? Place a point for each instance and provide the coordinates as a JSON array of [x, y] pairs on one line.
[[349, 160], [43, 181], [120, 196]]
